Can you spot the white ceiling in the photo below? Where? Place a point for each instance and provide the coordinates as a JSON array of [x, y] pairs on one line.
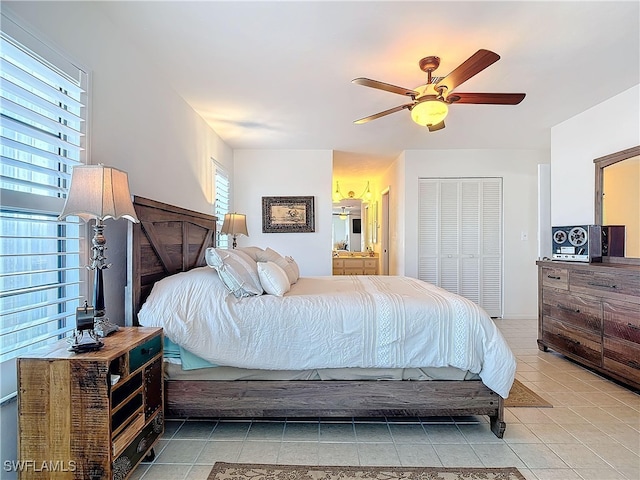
[[277, 75]]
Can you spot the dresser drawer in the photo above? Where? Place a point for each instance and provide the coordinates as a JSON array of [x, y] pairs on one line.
[[555, 278], [571, 341], [622, 358], [338, 263], [141, 354], [615, 284], [579, 311], [353, 271], [622, 320], [370, 264]]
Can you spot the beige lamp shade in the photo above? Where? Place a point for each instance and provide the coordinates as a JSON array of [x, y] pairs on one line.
[[99, 192], [234, 224]]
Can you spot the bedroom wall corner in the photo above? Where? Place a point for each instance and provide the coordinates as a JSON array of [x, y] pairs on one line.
[[138, 123]]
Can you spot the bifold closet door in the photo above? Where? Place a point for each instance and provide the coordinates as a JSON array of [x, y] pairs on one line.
[[460, 238]]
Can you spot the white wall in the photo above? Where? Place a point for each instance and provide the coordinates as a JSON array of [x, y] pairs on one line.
[[519, 170], [609, 127], [273, 173]]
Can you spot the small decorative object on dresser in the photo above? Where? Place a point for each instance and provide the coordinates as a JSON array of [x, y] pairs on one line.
[[94, 415], [589, 312]]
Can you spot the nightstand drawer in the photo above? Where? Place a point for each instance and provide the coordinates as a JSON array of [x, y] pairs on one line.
[[141, 354]]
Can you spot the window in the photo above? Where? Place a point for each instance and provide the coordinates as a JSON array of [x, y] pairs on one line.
[[222, 200], [42, 137]]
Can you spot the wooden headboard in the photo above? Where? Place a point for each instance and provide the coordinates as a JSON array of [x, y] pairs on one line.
[[167, 240]]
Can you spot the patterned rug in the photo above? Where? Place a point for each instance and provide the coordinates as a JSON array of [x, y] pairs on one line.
[[239, 471], [521, 396]]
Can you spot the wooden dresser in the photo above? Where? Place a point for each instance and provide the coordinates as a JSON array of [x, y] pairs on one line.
[[361, 265], [91, 416], [590, 312]]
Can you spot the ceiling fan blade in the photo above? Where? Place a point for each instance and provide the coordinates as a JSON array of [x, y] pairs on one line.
[[487, 98], [436, 127], [387, 87], [382, 114], [470, 67]]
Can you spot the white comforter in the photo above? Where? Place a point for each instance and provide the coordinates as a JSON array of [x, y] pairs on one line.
[[331, 322]]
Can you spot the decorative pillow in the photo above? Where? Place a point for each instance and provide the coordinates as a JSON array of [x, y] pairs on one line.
[[251, 251], [273, 278], [237, 270], [269, 255], [295, 267]]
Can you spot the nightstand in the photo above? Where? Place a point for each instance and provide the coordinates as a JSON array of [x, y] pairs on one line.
[[91, 415]]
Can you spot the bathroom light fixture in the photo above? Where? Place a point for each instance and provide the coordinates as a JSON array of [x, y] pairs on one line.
[[338, 195]]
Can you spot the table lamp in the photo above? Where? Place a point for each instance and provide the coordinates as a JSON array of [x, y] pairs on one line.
[[98, 192]]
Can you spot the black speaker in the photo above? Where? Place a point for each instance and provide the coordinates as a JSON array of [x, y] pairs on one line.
[[613, 240]]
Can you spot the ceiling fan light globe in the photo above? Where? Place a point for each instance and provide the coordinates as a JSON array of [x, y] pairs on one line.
[[429, 112]]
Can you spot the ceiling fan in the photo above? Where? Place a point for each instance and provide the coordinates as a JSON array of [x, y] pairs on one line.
[[346, 211], [430, 102]]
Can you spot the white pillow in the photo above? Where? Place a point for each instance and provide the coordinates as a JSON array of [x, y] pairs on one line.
[[273, 278], [237, 270], [295, 267], [251, 251], [269, 255]]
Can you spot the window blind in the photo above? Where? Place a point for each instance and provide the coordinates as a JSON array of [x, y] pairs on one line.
[[42, 112], [222, 201]]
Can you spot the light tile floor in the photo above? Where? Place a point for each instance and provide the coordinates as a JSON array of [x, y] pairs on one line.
[[591, 433]]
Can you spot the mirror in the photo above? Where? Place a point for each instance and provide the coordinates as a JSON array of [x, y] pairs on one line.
[[347, 225], [617, 195]]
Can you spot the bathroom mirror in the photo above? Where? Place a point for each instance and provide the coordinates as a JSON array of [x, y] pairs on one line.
[[347, 225], [617, 195]]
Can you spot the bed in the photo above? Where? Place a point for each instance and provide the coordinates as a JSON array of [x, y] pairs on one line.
[[170, 245]]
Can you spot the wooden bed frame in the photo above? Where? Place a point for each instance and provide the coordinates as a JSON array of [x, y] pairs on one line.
[[169, 240]]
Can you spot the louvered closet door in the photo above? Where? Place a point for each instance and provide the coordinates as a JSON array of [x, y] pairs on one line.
[[460, 238]]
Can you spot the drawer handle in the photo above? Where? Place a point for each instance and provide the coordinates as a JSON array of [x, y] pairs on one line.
[[553, 277], [569, 309], [601, 285], [570, 340], [634, 364], [146, 351], [632, 326]]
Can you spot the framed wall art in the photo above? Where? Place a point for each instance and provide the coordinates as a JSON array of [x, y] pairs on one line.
[[288, 214]]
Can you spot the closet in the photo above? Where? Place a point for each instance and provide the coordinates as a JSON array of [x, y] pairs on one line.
[[460, 238]]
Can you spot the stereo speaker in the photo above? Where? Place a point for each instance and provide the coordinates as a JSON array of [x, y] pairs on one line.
[[613, 240]]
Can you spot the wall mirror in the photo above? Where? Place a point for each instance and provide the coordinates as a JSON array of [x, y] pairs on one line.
[[617, 195], [347, 225]]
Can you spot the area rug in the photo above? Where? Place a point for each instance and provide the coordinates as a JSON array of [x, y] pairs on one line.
[[247, 471], [521, 396]]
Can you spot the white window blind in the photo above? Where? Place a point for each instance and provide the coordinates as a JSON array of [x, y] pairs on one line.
[[42, 137], [222, 201]]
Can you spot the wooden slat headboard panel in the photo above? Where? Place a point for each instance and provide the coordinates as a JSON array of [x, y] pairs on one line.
[[167, 240]]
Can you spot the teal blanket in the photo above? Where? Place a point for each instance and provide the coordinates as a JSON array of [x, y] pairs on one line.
[[188, 359]]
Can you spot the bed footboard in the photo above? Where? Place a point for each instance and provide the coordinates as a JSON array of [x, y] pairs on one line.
[[268, 399]]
